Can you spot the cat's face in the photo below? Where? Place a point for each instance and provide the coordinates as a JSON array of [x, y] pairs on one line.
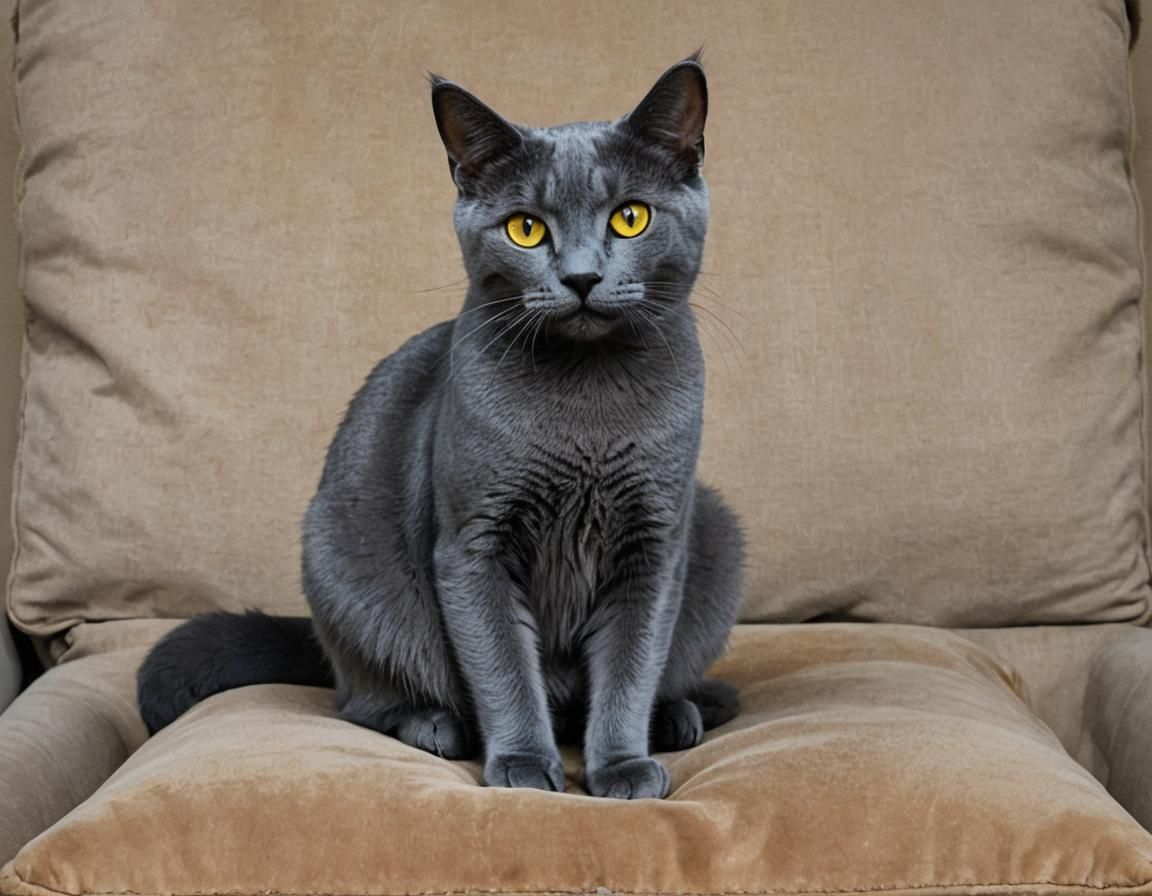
[[586, 228]]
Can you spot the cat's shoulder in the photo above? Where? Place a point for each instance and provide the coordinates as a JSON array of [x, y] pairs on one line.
[[419, 356], [395, 396], [426, 346]]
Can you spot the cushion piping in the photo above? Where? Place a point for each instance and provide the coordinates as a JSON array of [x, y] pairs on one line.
[[1142, 300], [1134, 890]]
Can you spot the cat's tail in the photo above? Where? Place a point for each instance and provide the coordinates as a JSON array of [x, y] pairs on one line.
[[218, 651]]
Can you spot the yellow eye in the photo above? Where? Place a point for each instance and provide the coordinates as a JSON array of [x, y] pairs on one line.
[[526, 231], [630, 220]]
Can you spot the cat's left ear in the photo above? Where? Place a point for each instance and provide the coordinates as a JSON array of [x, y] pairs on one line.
[[672, 114], [473, 134]]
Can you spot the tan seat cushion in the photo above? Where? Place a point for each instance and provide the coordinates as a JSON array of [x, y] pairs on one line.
[[871, 758], [1054, 664], [924, 236]]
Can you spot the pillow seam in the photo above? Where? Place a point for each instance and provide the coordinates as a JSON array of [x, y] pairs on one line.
[[1142, 299]]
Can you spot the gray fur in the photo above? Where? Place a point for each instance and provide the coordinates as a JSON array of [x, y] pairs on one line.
[[508, 544]]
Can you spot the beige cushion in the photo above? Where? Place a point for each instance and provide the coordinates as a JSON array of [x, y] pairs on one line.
[[94, 638], [924, 237], [871, 758], [1053, 664]]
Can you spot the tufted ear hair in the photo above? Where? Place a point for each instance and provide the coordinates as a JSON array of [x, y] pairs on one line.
[[472, 133], [672, 115]]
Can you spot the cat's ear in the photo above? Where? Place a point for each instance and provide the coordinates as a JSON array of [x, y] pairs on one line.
[[672, 115], [473, 134]]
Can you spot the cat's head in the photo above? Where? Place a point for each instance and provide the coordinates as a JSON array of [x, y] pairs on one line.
[[590, 227]]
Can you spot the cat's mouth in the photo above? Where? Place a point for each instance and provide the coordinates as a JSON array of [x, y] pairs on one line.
[[588, 312], [583, 321], [587, 323]]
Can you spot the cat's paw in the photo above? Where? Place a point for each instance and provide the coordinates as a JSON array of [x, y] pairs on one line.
[[718, 702], [676, 725], [629, 779], [540, 772], [437, 731]]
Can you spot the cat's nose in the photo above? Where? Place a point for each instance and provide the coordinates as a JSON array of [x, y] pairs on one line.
[[581, 284]]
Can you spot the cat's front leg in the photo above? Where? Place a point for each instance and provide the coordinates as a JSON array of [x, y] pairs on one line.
[[494, 639], [625, 654]]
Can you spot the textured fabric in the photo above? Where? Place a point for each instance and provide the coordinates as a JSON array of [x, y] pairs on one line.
[[1142, 169], [94, 638], [923, 235], [62, 738], [871, 758], [1054, 664], [11, 328], [1119, 707]]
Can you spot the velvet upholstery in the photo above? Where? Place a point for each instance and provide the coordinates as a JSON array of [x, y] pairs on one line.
[[1053, 663], [870, 758]]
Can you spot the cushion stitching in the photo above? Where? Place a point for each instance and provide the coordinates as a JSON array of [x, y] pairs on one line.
[[25, 354], [615, 892]]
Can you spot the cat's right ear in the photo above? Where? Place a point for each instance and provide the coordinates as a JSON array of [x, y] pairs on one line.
[[473, 134]]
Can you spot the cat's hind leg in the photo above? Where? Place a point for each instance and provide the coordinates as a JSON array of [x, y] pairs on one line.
[[718, 702], [676, 725], [434, 729], [680, 724], [366, 695], [688, 704]]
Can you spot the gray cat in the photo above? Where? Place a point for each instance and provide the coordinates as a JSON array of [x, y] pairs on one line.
[[509, 548]]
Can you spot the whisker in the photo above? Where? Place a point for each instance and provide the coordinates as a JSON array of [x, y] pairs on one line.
[[515, 322], [716, 299], [730, 334], [708, 291], [720, 347], [671, 354], [541, 320], [453, 284], [489, 305], [527, 330], [723, 323], [527, 322], [451, 353], [507, 329], [632, 324]]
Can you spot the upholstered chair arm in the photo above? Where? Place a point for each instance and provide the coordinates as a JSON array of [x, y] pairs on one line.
[[1119, 715], [9, 668], [62, 738]]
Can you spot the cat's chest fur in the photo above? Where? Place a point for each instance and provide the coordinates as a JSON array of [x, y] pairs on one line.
[[568, 522], [573, 519], [572, 486]]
